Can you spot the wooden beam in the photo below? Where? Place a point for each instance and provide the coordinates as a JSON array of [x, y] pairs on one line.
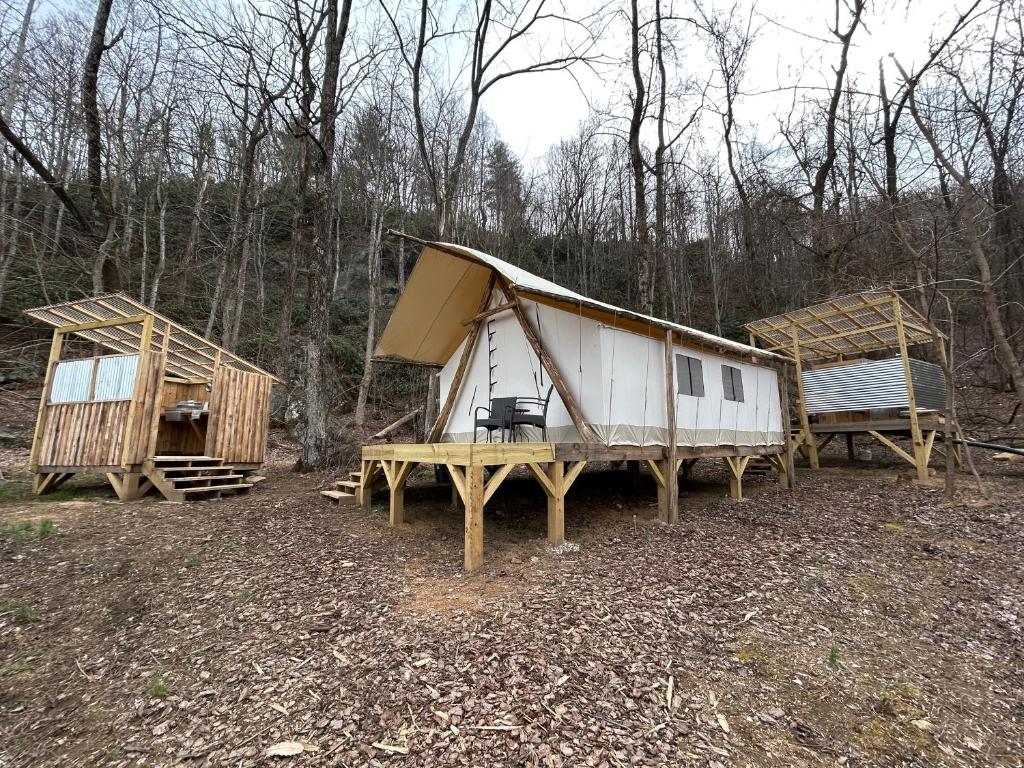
[[790, 469], [56, 345], [542, 478], [655, 467], [495, 480], [489, 313], [920, 452], [396, 512], [473, 556], [737, 466], [812, 448], [460, 372], [127, 448], [573, 473], [93, 325], [458, 480], [896, 449], [672, 490], [555, 375], [556, 503], [396, 424]]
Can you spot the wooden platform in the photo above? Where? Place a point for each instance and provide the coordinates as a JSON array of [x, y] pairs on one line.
[[555, 466]]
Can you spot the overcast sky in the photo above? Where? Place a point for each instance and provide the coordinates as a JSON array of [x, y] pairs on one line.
[[792, 48]]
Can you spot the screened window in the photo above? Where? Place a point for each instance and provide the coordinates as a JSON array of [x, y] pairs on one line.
[[732, 383], [102, 378], [689, 376]]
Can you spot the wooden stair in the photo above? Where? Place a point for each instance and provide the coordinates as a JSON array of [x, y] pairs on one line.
[[346, 492], [758, 466], [193, 478]]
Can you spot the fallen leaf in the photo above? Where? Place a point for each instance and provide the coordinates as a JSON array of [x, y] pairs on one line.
[[922, 725], [561, 681], [722, 721], [284, 749], [391, 748], [422, 662], [972, 743], [279, 708]]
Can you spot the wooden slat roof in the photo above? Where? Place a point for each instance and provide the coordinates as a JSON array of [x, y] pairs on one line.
[[189, 355], [849, 325]]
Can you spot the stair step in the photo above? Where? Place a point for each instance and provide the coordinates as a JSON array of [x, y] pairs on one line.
[[339, 496], [172, 472], [194, 478], [211, 488], [347, 483], [186, 458]]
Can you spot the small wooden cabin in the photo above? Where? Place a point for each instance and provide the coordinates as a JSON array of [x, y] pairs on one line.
[[615, 385], [163, 409], [849, 382]]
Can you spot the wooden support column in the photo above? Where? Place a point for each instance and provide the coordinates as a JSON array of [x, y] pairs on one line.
[[474, 529], [556, 503], [737, 466], [671, 467], [920, 451], [397, 472], [787, 427], [129, 486], [128, 447], [55, 347], [633, 472], [809, 442]]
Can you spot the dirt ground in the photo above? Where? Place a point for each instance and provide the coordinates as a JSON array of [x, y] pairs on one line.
[[858, 621]]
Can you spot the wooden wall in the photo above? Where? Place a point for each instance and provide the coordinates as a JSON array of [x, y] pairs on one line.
[[239, 416], [87, 434], [93, 433]]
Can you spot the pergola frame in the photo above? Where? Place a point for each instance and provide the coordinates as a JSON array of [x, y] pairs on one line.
[[872, 321]]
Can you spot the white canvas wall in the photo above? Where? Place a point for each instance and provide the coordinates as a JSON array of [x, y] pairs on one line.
[[618, 379]]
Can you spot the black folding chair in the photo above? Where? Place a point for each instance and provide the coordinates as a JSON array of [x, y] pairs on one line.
[[499, 416], [530, 418]]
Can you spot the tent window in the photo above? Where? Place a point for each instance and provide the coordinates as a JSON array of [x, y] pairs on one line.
[[732, 383], [689, 376]]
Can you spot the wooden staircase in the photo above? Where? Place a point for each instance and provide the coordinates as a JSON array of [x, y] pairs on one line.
[[191, 478], [346, 492]]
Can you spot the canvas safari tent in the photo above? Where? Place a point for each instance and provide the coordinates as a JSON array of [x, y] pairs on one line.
[[621, 385]]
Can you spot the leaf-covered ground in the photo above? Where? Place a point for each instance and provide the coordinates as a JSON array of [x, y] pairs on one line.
[[857, 621]]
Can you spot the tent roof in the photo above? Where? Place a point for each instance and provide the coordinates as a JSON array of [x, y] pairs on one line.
[[189, 355], [849, 325], [448, 283]]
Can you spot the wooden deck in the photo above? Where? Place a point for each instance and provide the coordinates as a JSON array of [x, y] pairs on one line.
[[555, 466]]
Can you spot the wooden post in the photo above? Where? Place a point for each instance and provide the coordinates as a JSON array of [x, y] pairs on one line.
[[671, 468], [787, 429], [920, 453], [805, 424], [474, 538], [737, 466], [849, 446], [586, 434], [56, 345], [633, 472], [127, 448], [556, 503], [396, 515]]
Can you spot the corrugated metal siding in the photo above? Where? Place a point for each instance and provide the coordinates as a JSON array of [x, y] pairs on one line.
[[929, 385], [71, 379], [873, 384], [115, 377]]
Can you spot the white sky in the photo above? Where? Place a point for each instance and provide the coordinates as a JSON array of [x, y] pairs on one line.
[[532, 112]]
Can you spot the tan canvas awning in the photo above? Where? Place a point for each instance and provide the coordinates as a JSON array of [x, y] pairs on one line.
[[448, 284]]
